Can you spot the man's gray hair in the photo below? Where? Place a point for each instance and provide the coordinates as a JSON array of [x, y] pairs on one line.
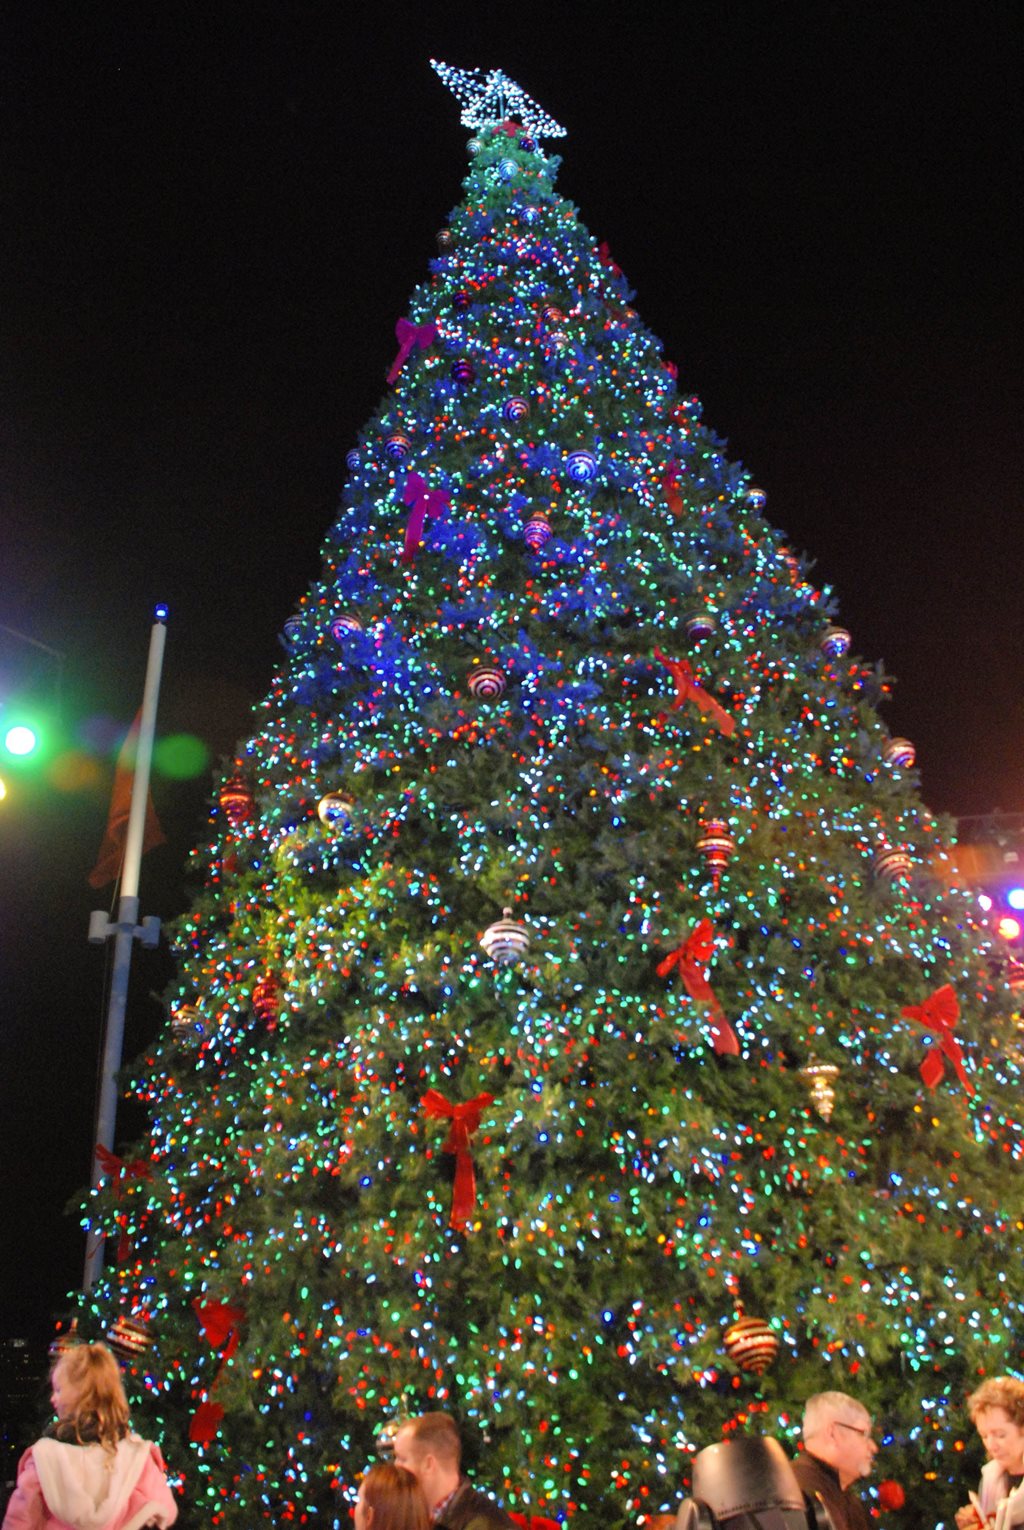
[[823, 1407]]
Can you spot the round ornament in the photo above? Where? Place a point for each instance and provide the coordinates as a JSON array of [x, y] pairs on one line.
[[475, 145], [834, 642], [538, 531], [352, 460], [445, 239], [266, 999], [505, 941], [891, 1495], [581, 466], [900, 753], [129, 1338], [750, 1343], [1015, 974], [461, 301], [486, 681], [558, 340], [790, 559], [335, 810], [507, 169], [699, 625], [397, 446], [529, 144], [552, 315], [515, 408], [819, 1078], [236, 800], [62, 1342], [531, 214], [293, 629], [890, 863], [344, 626], [462, 371], [717, 847], [186, 1023], [756, 498]]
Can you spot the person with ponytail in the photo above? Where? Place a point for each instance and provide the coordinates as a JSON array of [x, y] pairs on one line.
[[89, 1471]]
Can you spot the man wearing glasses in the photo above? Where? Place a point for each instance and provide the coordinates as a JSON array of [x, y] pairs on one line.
[[838, 1449]]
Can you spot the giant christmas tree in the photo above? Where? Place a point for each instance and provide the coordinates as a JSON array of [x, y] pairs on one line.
[[575, 969]]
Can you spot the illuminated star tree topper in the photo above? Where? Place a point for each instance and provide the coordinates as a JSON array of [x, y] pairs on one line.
[[493, 98]]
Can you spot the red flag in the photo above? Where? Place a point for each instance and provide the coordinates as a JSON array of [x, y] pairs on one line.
[[111, 854]]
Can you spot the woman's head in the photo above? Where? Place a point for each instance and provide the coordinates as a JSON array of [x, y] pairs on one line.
[[997, 1411], [390, 1498], [88, 1394]]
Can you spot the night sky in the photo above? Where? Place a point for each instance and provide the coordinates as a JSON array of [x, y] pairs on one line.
[[213, 216]]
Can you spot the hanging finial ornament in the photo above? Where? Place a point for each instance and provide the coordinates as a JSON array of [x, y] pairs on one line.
[[487, 100]]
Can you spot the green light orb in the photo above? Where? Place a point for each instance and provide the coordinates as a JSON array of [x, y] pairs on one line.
[[181, 756]]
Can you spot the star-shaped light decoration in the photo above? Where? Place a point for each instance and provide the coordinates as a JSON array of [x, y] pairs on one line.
[[492, 98]]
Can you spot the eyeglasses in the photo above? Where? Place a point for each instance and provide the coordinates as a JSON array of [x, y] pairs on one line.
[[864, 1433]]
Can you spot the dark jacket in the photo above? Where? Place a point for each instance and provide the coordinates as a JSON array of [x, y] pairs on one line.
[[469, 1510], [816, 1476]]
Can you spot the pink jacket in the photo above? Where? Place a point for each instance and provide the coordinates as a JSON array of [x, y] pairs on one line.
[[84, 1487]]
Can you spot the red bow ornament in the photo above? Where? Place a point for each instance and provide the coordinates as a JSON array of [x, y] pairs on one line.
[[464, 1119], [673, 498], [939, 1014], [119, 1171], [604, 255], [692, 959], [220, 1326], [407, 336], [423, 502], [688, 688]]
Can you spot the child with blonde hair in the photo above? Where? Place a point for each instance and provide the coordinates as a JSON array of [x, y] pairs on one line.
[[88, 1471]]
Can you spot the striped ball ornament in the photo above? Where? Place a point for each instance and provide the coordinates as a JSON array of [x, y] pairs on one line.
[[538, 531], [699, 625], [515, 408], [890, 863], [834, 642], [756, 498], [129, 1338], [900, 753], [462, 372], [750, 1343], [716, 846], [344, 626], [445, 239], [506, 941], [397, 446], [352, 460], [581, 466], [266, 999], [236, 800], [486, 681]]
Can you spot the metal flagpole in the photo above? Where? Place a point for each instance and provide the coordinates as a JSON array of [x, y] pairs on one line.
[[124, 930]]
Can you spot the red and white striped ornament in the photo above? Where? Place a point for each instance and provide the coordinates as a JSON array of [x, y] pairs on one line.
[[266, 999], [835, 642], [699, 625], [750, 1343], [343, 626], [890, 863], [236, 800], [486, 681], [717, 847], [538, 531], [900, 753], [129, 1337], [506, 940]]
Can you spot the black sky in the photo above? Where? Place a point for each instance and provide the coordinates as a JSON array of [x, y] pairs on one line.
[[213, 216]]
